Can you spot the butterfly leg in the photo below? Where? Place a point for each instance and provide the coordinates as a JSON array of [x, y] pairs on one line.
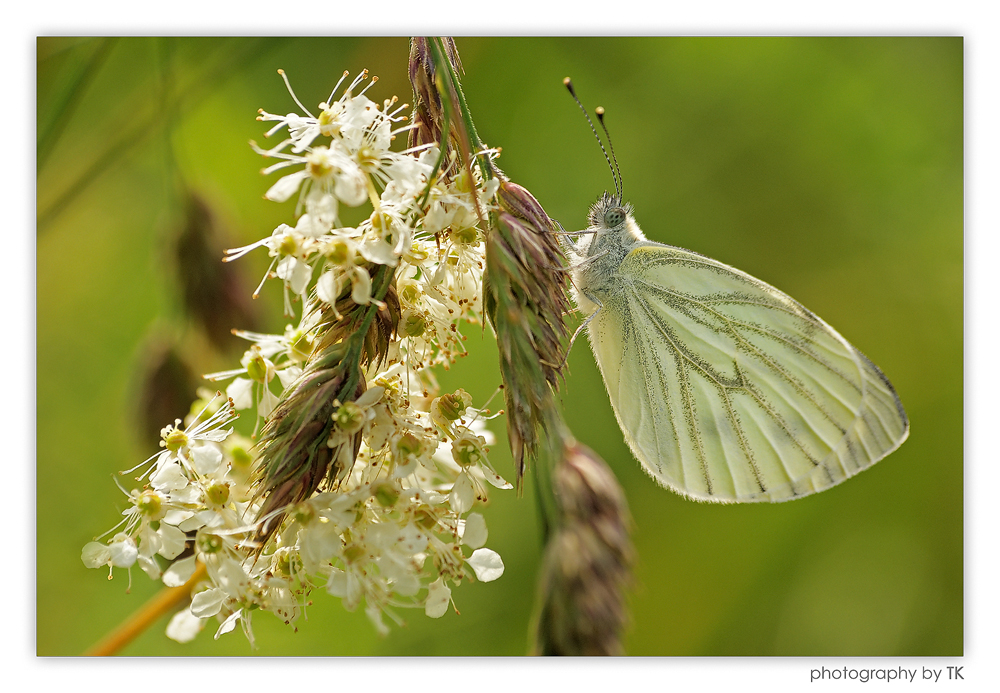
[[580, 329]]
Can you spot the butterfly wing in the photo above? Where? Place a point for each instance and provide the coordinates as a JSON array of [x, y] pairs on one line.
[[728, 390]]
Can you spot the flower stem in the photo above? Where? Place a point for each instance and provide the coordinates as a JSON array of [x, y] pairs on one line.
[[150, 612]]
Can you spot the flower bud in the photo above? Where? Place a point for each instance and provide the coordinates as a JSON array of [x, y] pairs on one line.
[[303, 513], [412, 324], [150, 504], [174, 438], [217, 493], [467, 450], [586, 564], [522, 205], [208, 543], [349, 417], [452, 406], [353, 553], [385, 493], [287, 563], [408, 445], [466, 235], [259, 369], [240, 459]]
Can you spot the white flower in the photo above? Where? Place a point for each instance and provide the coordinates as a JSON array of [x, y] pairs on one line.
[[178, 442], [390, 531], [121, 552], [166, 540]]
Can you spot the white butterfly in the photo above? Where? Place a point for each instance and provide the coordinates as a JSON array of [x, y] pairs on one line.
[[726, 389]]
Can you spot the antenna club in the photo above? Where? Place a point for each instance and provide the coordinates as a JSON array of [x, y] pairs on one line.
[[599, 111]]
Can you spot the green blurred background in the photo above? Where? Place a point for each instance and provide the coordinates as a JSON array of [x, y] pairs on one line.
[[831, 168]]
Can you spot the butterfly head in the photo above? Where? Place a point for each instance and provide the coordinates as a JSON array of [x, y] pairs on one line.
[[609, 212]]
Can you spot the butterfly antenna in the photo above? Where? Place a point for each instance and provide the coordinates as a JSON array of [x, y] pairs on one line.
[[600, 117], [569, 85]]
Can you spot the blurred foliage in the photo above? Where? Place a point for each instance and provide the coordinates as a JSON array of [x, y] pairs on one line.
[[829, 167]]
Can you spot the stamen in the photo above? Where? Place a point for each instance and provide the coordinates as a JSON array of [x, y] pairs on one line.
[[117, 525], [289, 161], [235, 253], [370, 84], [357, 80], [292, 92], [274, 151], [337, 86]]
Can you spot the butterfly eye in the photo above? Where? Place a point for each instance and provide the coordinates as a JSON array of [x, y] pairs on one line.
[[613, 217]]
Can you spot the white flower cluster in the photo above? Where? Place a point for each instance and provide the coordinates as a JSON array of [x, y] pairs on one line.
[[398, 531]]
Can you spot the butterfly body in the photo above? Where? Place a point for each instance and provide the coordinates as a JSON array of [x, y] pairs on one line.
[[725, 388]]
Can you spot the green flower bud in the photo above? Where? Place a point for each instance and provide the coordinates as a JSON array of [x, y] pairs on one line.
[[412, 324], [149, 504], [466, 452], [240, 458], [349, 417], [338, 252], [175, 439], [385, 494], [257, 369], [465, 236], [409, 445], [353, 553], [289, 245], [217, 493], [303, 513], [301, 345], [208, 543], [452, 406]]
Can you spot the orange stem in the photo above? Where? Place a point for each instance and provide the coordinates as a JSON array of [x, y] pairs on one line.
[[162, 602]]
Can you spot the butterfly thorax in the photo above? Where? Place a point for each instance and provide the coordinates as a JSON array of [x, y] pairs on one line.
[[599, 253]]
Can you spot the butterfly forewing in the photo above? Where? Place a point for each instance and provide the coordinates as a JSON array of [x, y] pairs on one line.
[[729, 390]]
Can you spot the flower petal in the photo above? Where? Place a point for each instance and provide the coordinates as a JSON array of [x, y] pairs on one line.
[[207, 603], [285, 187], [179, 572], [184, 626], [463, 494], [487, 564], [475, 533], [438, 598], [96, 554]]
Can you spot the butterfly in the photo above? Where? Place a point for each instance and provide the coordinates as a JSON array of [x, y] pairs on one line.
[[725, 388]]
